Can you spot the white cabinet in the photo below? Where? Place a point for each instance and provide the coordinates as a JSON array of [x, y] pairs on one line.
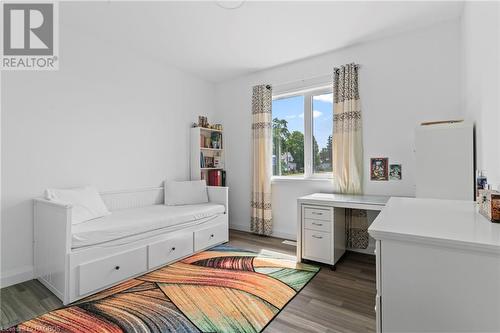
[[438, 267], [445, 161], [322, 233]]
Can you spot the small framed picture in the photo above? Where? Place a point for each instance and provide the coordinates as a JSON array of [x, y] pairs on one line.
[[379, 168], [395, 172]]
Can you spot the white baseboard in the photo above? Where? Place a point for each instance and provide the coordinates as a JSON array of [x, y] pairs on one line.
[[16, 275], [277, 234]]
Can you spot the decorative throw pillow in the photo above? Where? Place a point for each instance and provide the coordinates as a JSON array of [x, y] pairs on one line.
[[185, 193], [86, 202]]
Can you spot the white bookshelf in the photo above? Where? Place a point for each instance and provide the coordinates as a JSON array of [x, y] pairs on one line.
[[208, 151]]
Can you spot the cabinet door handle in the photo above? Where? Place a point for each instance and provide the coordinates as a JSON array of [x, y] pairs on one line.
[[173, 248], [117, 267], [212, 236], [318, 237], [318, 224]]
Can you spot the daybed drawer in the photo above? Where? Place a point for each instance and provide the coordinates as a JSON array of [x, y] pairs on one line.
[[210, 236], [319, 225], [317, 246], [318, 213], [103, 272], [170, 249]]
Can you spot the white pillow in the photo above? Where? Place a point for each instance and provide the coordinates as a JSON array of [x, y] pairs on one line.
[[86, 201], [186, 193]]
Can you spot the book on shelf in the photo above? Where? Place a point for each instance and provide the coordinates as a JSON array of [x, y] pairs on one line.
[[216, 178]]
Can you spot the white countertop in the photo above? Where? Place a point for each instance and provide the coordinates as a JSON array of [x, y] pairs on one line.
[[445, 222], [376, 202], [367, 199]]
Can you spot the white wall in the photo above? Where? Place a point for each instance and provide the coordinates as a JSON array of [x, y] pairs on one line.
[[107, 117], [481, 43], [404, 80]]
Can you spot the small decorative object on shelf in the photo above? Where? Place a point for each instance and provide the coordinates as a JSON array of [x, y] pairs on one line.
[[489, 204], [218, 161], [202, 121], [481, 182], [209, 162], [216, 138]]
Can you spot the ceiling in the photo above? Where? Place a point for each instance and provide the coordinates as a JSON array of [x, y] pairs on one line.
[[218, 44]]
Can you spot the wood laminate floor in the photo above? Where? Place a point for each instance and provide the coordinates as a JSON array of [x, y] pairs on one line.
[[334, 301]]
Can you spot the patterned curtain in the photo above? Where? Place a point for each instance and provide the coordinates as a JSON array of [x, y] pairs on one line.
[[348, 149], [261, 218]]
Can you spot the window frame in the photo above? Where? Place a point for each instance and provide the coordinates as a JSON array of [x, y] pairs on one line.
[[308, 94]]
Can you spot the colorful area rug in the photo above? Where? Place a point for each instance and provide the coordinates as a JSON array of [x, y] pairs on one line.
[[220, 290]]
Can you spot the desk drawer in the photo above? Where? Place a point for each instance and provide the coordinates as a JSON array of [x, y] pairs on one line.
[[210, 236], [104, 272], [169, 250], [317, 246], [319, 225], [323, 214]]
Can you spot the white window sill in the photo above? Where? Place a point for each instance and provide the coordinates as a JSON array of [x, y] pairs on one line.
[[288, 179]]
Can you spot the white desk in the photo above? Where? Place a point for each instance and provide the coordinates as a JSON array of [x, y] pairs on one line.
[[321, 228], [438, 267]]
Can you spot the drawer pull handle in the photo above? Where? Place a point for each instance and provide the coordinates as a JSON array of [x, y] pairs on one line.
[[318, 224], [173, 248], [318, 237], [316, 213], [212, 236], [117, 267]]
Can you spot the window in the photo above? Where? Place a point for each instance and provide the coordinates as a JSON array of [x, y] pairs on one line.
[[288, 136], [322, 133], [302, 133]]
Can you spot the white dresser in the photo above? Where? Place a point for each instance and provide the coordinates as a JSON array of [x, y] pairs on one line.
[[321, 224], [447, 147], [438, 267]]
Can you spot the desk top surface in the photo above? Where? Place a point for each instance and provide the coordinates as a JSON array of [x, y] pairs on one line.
[[451, 222], [378, 200]]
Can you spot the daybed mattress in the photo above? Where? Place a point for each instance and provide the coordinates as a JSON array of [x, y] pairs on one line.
[[129, 224]]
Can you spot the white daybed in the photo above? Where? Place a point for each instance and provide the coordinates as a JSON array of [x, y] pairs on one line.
[[141, 234]]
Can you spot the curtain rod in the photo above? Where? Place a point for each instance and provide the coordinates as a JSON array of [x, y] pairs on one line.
[[326, 76]]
